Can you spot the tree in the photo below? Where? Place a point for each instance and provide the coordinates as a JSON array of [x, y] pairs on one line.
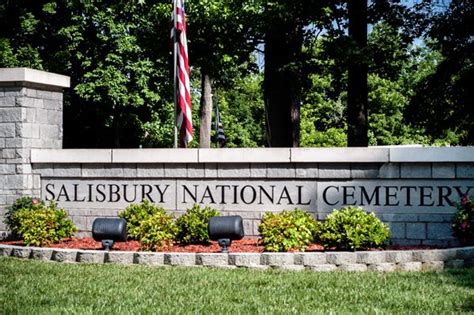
[[357, 117], [221, 43], [443, 101], [111, 51], [286, 27]]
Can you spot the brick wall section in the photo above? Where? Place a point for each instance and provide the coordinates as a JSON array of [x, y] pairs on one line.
[[30, 117], [407, 228]]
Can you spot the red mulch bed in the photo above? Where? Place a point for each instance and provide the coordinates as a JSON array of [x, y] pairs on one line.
[[246, 245]]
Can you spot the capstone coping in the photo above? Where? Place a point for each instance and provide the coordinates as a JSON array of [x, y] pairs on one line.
[[258, 155], [34, 76]]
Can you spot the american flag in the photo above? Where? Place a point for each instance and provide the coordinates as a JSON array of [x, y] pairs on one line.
[[183, 91]]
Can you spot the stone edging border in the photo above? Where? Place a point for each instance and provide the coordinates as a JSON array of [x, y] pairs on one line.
[[383, 261]]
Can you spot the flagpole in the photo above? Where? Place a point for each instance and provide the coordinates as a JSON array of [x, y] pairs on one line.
[[175, 76]]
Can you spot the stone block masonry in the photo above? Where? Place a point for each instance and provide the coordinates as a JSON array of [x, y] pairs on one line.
[[378, 261], [30, 117], [95, 183], [413, 189]]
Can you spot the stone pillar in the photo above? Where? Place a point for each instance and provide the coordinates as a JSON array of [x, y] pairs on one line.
[[31, 116]]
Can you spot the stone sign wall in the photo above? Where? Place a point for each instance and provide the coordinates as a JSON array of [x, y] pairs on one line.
[[413, 189]]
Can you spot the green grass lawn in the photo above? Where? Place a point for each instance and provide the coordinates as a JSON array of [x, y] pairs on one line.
[[33, 287]]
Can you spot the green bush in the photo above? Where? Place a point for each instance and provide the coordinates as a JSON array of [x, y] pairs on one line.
[[352, 228], [463, 221], [192, 226], [287, 230], [42, 225], [21, 203], [135, 214], [157, 232]]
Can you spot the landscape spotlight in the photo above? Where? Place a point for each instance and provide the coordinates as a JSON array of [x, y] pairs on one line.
[[109, 230], [225, 229]]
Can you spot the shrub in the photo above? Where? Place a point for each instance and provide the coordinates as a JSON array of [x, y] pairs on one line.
[[157, 232], [21, 203], [135, 214], [352, 228], [42, 225], [287, 230], [192, 226], [463, 221]]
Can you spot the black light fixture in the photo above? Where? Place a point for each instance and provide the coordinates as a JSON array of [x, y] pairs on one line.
[[226, 229], [109, 230]]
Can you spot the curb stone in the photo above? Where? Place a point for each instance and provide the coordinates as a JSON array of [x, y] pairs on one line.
[[410, 266], [21, 252], [124, 258], [352, 267], [322, 268], [212, 259], [149, 259], [91, 257], [180, 259], [383, 267], [65, 255], [42, 253], [420, 260]]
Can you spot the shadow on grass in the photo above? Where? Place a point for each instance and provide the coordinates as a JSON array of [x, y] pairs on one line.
[[466, 280]]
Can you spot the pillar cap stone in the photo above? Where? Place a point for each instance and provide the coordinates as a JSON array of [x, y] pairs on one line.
[[9, 75]]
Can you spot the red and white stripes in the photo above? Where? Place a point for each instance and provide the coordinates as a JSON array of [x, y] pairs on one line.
[[184, 112]]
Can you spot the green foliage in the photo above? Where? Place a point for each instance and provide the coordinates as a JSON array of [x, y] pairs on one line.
[[352, 228], [442, 104], [242, 113], [287, 230], [157, 232], [42, 225], [193, 225], [135, 214], [463, 221], [22, 203]]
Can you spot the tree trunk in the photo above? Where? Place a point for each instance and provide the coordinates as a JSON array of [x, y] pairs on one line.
[[282, 83], [206, 111], [357, 118]]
